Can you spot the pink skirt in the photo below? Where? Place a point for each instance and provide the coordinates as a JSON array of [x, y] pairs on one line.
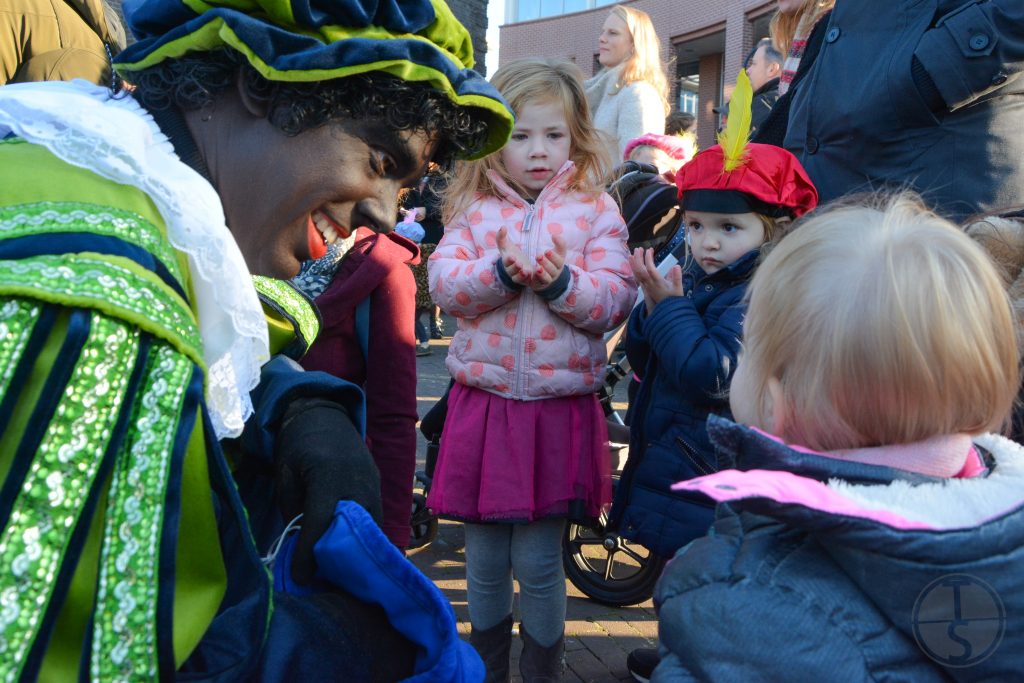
[[503, 460]]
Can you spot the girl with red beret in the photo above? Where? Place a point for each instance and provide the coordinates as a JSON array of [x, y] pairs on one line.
[[684, 339]]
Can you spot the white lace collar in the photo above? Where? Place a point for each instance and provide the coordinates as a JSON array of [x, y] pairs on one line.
[[85, 125]]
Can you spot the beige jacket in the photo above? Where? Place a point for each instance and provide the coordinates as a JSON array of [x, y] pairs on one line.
[[57, 40], [624, 113]]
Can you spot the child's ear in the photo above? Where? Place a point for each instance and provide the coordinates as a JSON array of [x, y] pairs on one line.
[[783, 224], [776, 411]]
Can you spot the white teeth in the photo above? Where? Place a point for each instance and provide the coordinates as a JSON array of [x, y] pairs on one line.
[[325, 227], [330, 234]]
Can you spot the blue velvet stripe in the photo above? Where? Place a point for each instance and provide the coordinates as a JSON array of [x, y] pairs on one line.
[[249, 586], [170, 534], [67, 568], [77, 242], [53, 390], [151, 18], [286, 51], [40, 331], [403, 17]]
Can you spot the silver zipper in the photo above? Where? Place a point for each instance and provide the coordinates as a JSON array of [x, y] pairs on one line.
[[529, 217], [521, 309]]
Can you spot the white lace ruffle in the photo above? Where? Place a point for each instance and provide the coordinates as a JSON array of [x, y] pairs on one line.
[[86, 126]]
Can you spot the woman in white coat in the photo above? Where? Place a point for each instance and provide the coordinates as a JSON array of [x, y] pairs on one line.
[[629, 97]]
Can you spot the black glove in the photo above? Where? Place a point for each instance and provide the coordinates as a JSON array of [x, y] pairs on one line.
[[321, 458]]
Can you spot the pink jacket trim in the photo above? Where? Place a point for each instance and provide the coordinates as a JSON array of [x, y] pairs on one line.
[[788, 488]]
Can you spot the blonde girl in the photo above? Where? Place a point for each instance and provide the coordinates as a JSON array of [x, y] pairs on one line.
[[868, 509], [630, 96], [534, 265]]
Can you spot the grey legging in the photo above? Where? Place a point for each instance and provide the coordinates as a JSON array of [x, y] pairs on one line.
[[533, 553]]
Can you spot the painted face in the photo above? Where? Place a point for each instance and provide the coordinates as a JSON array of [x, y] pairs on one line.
[[615, 44], [292, 196], [540, 145], [719, 239], [761, 70]]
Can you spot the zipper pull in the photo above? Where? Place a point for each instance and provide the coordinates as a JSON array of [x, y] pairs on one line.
[[529, 218]]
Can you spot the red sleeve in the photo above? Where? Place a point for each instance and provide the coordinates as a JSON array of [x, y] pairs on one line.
[[391, 396]]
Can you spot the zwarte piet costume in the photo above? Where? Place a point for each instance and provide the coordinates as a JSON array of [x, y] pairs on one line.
[[132, 335]]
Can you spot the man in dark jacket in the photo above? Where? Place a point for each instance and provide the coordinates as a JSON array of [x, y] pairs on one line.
[[763, 65], [904, 94]]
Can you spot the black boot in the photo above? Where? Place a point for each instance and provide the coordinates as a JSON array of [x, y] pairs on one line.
[[493, 645], [539, 664]]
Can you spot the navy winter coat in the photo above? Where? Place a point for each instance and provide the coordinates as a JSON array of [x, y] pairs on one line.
[[819, 569], [926, 94], [685, 353]]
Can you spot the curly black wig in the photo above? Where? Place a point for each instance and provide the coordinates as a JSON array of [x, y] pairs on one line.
[[193, 81]]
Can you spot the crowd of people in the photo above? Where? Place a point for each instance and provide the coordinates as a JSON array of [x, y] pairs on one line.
[[223, 246]]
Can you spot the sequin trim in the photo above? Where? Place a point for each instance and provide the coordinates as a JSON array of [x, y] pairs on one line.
[[60, 477], [295, 304], [124, 643], [82, 280], [17, 320], [40, 218]]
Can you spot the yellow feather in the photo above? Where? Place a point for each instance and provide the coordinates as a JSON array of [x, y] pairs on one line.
[[737, 129]]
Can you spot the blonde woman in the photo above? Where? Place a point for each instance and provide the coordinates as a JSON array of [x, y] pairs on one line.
[[790, 28], [629, 97]]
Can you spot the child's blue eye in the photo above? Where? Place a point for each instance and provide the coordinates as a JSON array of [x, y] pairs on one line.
[[695, 227], [729, 227], [518, 136]]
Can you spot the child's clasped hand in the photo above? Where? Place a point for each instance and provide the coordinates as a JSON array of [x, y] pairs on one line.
[[549, 264], [656, 287]]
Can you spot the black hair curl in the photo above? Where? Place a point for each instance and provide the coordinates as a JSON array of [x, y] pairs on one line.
[[193, 81]]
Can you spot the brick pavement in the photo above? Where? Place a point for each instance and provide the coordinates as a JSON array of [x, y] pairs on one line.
[[597, 637]]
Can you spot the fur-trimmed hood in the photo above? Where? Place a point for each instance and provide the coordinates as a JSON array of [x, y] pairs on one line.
[[895, 535]]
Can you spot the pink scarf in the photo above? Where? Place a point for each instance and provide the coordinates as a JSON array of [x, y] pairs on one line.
[[796, 49]]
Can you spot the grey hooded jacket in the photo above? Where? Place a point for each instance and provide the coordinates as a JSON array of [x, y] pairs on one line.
[[819, 569]]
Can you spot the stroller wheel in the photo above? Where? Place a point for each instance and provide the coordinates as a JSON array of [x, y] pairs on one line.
[[608, 568], [424, 524]]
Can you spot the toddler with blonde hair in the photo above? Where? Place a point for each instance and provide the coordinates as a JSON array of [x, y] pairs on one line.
[[874, 529]]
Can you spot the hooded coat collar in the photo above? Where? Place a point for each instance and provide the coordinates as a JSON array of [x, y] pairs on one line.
[[558, 184], [894, 534]]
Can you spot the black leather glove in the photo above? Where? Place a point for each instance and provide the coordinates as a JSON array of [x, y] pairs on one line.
[[321, 458]]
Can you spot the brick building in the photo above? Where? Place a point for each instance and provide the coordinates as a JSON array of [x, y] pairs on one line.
[[473, 14], [704, 42]]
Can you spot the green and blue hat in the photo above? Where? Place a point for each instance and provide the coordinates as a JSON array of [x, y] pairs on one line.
[[317, 40]]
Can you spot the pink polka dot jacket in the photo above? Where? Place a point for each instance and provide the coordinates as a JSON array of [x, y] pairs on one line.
[[512, 342]]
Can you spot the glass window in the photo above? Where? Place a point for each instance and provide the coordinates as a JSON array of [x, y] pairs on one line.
[[527, 9], [688, 74], [550, 8]]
